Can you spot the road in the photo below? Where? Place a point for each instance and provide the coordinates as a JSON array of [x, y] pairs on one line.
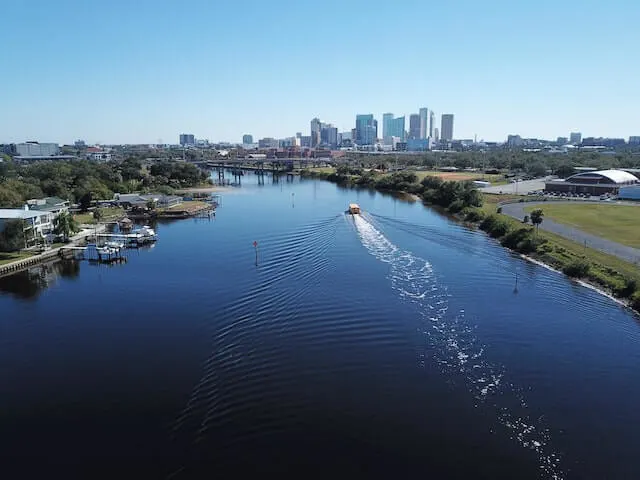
[[519, 188], [630, 254]]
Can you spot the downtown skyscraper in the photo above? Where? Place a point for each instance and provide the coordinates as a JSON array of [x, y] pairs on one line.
[[392, 127], [366, 131], [414, 126], [446, 127], [424, 122]]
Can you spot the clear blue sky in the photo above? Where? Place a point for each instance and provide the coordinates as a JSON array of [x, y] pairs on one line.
[[140, 71]]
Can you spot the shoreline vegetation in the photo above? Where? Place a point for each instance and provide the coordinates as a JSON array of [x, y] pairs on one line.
[[606, 273]]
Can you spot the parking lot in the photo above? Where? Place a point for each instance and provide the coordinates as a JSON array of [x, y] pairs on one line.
[[522, 187]]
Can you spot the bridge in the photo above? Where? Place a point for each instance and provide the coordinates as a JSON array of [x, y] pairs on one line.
[[265, 164]]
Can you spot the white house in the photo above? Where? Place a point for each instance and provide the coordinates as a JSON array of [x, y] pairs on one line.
[[37, 224], [54, 205]]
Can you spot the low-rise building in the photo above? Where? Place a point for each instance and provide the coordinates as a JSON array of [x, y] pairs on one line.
[[593, 183], [36, 224], [630, 192], [54, 205], [129, 200], [98, 154]]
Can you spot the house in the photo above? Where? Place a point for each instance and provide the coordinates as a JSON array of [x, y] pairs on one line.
[[37, 224], [54, 205], [98, 154], [130, 200]]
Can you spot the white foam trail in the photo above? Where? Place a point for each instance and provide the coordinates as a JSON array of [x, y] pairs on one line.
[[453, 343]]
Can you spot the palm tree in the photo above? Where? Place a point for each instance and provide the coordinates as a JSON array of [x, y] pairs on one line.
[[537, 217], [65, 225]]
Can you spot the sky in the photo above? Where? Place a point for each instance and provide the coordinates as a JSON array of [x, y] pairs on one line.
[[145, 71]]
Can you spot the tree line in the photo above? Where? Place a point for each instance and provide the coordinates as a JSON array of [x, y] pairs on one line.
[[83, 180], [533, 163], [454, 196]]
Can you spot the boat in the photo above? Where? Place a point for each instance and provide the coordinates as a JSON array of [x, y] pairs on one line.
[[354, 208], [146, 234], [115, 245]]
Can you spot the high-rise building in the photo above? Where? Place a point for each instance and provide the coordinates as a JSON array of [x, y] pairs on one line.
[[635, 140], [414, 126], [562, 141], [575, 138], [432, 121], [268, 142], [187, 139], [366, 130], [387, 125], [424, 122], [392, 127], [247, 139], [446, 127], [316, 131], [329, 136], [436, 134]]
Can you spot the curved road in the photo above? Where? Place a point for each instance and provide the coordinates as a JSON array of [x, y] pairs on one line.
[[630, 254]]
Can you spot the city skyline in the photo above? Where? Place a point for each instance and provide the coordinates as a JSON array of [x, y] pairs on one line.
[[137, 76]]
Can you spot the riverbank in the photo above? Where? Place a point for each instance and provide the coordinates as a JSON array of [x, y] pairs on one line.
[[606, 273], [25, 260]]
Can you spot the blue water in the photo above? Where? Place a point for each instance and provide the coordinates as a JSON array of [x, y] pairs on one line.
[[391, 344]]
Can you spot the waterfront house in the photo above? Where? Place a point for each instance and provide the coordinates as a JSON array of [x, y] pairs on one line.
[[130, 200], [54, 205], [36, 224]]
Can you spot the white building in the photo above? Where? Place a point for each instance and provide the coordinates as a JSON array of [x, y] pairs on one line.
[[36, 149], [37, 224]]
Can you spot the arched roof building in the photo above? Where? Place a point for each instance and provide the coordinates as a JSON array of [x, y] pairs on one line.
[[594, 183]]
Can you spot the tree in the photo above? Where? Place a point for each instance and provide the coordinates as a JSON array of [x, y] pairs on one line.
[[151, 205], [537, 217], [65, 225], [97, 214], [85, 201], [12, 236], [525, 219]]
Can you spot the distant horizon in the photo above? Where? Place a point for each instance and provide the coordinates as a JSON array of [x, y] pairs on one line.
[[131, 73], [255, 139]]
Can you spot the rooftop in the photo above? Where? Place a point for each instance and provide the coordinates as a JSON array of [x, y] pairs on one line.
[[616, 176], [18, 213]]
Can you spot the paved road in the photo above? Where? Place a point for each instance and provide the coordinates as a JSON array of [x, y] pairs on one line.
[[630, 254], [521, 188]]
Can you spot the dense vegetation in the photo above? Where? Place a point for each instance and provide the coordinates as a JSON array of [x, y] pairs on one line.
[[452, 195], [82, 181], [531, 163]]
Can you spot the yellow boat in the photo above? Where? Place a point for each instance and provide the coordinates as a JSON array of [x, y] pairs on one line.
[[354, 208]]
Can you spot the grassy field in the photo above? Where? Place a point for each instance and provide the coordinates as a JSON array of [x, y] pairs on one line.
[[187, 206], [321, 169], [608, 271], [619, 223], [462, 176], [108, 214], [13, 256]]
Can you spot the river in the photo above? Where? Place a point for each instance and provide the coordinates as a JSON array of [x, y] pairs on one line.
[[393, 344]]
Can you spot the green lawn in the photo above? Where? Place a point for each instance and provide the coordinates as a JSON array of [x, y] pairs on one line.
[[13, 256], [619, 223], [110, 213]]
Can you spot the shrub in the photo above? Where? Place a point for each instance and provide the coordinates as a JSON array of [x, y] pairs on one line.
[[474, 215], [629, 287], [495, 226], [577, 269], [525, 219], [456, 206], [521, 240], [499, 210], [635, 301]]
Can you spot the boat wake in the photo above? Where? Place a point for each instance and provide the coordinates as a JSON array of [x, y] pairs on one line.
[[452, 345]]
